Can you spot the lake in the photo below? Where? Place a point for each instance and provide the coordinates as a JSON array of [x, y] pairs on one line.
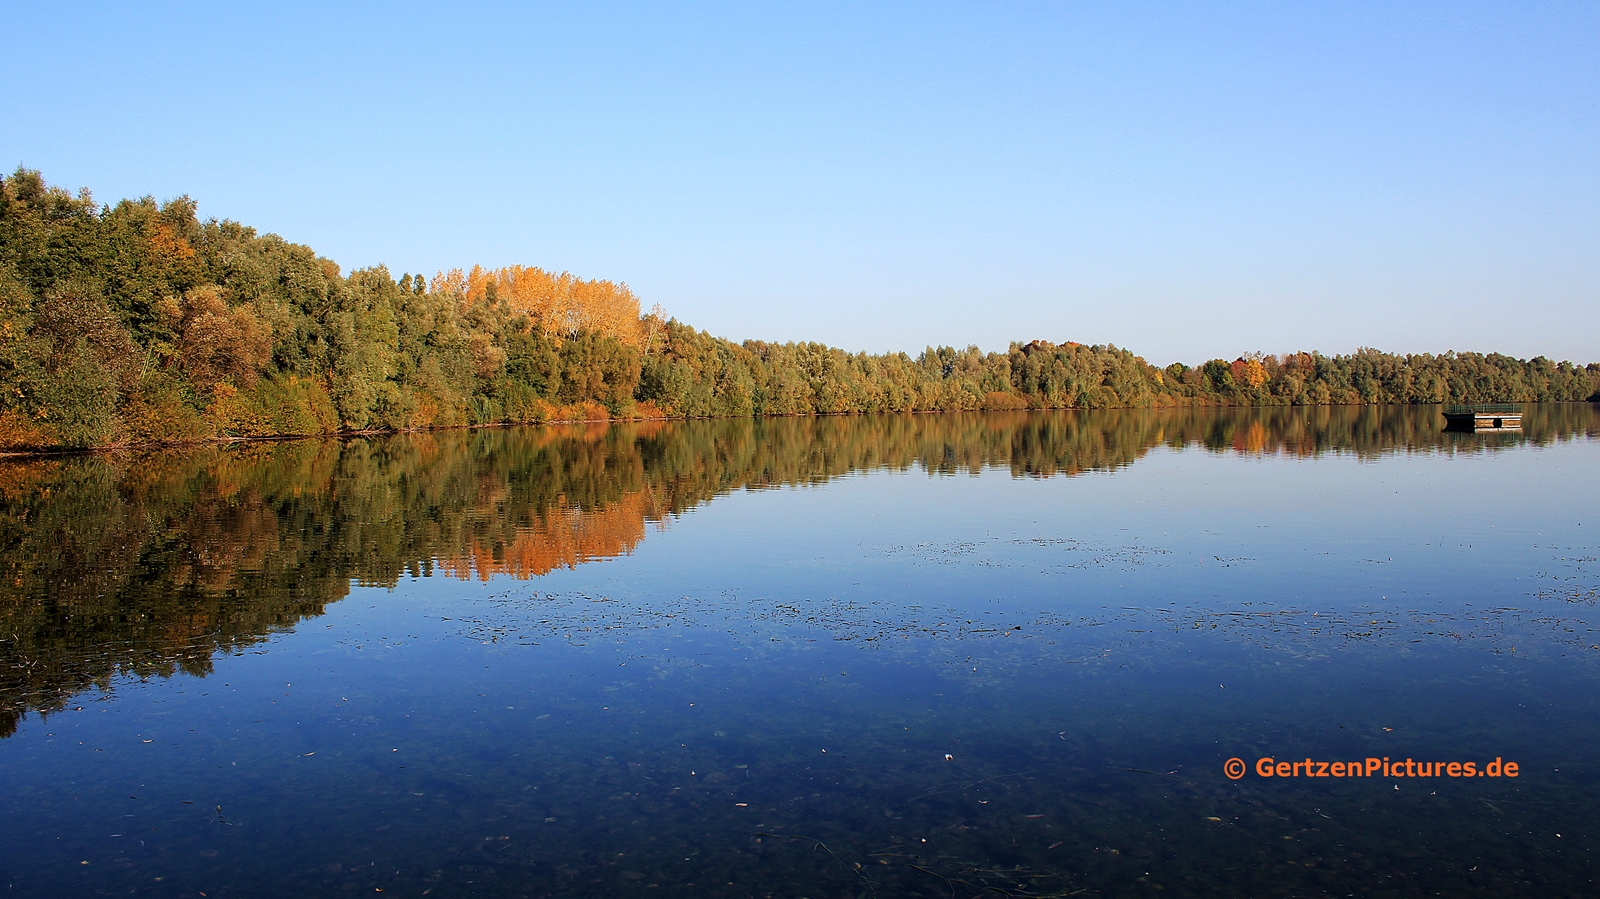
[[1004, 654]]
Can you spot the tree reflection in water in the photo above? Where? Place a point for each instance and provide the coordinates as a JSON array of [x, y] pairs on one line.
[[149, 564]]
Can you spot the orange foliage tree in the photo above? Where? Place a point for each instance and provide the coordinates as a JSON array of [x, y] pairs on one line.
[[558, 305]]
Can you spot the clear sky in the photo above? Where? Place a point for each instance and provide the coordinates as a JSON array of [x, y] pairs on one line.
[[1186, 180]]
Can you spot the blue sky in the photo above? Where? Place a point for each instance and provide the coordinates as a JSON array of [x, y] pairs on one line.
[[1185, 180]]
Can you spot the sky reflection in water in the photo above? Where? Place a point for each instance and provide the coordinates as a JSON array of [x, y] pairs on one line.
[[918, 656]]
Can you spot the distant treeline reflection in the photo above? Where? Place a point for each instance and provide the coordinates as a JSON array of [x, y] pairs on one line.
[[150, 564]]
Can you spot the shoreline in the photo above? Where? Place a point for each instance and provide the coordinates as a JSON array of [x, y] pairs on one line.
[[115, 448]]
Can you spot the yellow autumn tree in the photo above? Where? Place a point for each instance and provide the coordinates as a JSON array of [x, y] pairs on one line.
[[559, 305], [1248, 371]]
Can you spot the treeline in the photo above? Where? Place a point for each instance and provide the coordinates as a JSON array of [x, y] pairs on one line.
[[140, 323]]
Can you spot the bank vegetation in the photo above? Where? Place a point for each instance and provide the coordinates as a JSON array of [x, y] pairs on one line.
[[139, 323]]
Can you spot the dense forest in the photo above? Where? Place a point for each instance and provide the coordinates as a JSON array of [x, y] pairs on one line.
[[139, 323]]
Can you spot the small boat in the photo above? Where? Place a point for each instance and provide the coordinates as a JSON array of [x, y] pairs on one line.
[[1483, 417]]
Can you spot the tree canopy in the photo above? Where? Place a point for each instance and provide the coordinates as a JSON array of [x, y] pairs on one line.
[[140, 323]]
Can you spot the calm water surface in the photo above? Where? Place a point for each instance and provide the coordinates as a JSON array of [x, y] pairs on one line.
[[1004, 654]]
